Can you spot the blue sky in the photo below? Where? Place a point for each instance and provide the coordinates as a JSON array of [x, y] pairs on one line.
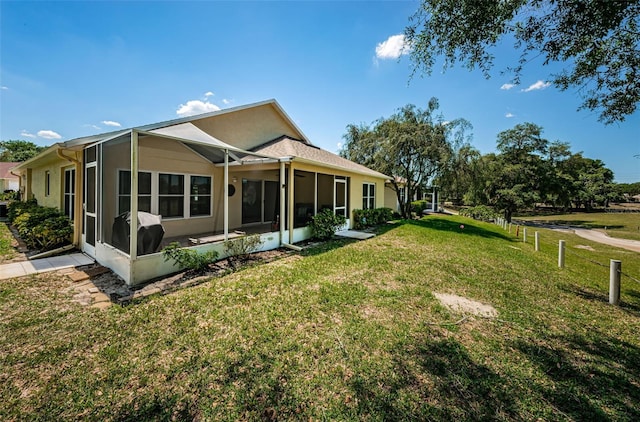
[[70, 69]]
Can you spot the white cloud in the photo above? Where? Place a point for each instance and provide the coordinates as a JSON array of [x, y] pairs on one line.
[[49, 134], [507, 86], [4, 87], [339, 144], [93, 126], [394, 47], [509, 115], [208, 94], [193, 107], [537, 85], [111, 123], [225, 101], [27, 134]]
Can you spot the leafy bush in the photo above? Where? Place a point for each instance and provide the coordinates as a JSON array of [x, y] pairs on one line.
[[189, 258], [42, 228], [16, 208], [418, 206], [371, 217], [324, 224], [480, 212], [241, 247]]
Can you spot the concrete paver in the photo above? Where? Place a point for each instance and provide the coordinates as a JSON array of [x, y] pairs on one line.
[[19, 269]]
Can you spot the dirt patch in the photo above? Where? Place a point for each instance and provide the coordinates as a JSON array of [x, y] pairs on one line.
[[585, 247], [464, 305]]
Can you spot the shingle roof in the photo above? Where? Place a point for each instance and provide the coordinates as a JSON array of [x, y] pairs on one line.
[[287, 147], [5, 168]]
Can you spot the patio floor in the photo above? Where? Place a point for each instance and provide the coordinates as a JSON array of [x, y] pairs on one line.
[[210, 237]]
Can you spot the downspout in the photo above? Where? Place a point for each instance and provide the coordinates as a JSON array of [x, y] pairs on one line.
[[77, 210]]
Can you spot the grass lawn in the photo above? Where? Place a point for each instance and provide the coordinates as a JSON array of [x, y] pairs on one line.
[[622, 225], [6, 250], [349, 331]]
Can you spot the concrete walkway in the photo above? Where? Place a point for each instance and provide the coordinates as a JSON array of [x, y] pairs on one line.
[[19, 269]]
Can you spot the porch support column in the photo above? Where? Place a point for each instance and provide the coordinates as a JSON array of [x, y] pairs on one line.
[[133, 227], [226, 195], [283, 192], [433, 199], [291, 203]]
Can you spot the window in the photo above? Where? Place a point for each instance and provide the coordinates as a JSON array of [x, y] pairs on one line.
[[47, 183], [403, 193], [368, 196], [124, 191], [171, 195], [69, 192], [200, 196]]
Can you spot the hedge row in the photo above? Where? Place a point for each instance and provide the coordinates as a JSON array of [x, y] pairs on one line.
[[42, 228], [371, 217]]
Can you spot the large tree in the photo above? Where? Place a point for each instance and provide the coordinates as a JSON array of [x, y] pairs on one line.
[[597, 41], [17, 151], [518, 174], [411, 146]]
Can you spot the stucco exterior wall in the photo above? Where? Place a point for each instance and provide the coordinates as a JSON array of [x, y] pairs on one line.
[[246, 129]]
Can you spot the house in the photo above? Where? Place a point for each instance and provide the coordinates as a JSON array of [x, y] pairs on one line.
[[8, 181], [391, 198], [248, 168]]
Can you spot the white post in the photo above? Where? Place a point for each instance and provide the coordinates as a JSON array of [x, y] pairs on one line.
[[504, 224], [226, 195], [561, 254], [509, 227], [615, 271], [433, 199], [537, 241], [524, 234], [291, 203], [283, 192], [133, 235]]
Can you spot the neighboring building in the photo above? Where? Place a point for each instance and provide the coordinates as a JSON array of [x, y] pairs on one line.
[[8, 181], [391, 198], [246, 168]]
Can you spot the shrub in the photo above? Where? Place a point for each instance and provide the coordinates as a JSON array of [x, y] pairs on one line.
[[42, 228], [324, 224], [16, 208], [241, 247], [371, 217], [189, 258], [418, 206], [479, 212]]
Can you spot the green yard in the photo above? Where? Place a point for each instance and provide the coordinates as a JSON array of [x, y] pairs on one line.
[[622, 225], [6, 250], [348, 331]]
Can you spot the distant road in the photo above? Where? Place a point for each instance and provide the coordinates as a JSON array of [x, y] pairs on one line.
[[593, 235]]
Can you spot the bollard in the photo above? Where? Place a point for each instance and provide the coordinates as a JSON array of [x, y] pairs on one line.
[[517, 230], [561, 254], [537, 241], [524, 234], [615, 270], [509, 227]]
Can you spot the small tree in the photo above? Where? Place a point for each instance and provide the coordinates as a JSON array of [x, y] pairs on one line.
[[18, 151]]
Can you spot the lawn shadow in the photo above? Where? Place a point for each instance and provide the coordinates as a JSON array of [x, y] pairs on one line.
[[318, 248], [582, 224], [436, 380], [589, 375], [452, 226], [603, 297]]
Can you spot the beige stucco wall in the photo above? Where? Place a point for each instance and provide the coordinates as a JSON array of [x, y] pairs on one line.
[[246, 129], [55, 167], [390, 198]]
